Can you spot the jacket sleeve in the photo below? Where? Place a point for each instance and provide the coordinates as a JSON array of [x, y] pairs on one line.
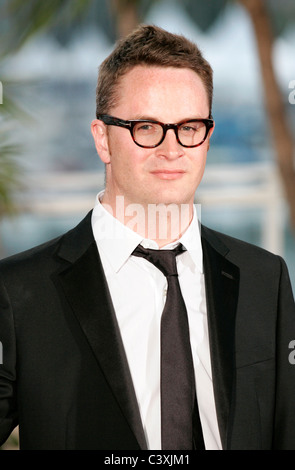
[[8, 409], [284, 432]]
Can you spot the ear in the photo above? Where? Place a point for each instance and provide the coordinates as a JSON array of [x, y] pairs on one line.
[[100, 136], [209, 135]]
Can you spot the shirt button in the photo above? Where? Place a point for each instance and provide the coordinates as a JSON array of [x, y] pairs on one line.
[[164, 292]]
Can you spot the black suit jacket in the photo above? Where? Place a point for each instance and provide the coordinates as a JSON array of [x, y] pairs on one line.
[[65, 378]]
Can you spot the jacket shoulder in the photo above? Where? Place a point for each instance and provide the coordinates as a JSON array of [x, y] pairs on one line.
[[22, 258], [239, 251], [43, 253]]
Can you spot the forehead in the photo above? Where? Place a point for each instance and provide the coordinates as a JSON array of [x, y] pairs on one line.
[[157, 91]]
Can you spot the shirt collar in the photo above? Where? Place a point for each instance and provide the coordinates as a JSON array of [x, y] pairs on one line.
[[191, 240], [117, 241]]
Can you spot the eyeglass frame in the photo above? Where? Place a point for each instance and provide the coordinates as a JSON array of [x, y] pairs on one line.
[[130, 124]]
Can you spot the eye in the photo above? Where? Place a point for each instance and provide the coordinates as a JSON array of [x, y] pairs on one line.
[[187, 129], [144, 127], [147, 128], [191, 127]]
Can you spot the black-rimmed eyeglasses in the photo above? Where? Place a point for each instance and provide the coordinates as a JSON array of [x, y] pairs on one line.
[[149, 133]]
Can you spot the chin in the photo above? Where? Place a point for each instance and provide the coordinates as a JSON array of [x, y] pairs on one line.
[[167, 199]]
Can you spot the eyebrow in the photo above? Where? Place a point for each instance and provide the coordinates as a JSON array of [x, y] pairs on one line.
[[144, 117], [150, 118]]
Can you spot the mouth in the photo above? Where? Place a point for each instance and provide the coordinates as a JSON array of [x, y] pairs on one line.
[[168, 174]]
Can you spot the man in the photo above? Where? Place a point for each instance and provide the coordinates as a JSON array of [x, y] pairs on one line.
[[84, 365]]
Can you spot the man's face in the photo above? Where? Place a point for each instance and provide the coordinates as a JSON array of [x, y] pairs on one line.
[[165, 174]]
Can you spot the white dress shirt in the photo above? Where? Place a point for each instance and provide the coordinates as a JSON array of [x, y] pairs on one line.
[[138, 291]]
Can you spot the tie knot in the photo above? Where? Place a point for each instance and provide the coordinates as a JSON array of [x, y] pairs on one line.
[[165, 260]]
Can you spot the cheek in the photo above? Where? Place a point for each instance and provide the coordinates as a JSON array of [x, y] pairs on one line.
[[198, 167], [199, 160], [125, 160]]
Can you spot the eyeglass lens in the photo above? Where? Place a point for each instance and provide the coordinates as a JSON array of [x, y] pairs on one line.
[[190, 133]]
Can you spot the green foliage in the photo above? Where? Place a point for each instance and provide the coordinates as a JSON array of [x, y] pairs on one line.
[[10, 174], [8, 178], [30, 17], [11, 113]]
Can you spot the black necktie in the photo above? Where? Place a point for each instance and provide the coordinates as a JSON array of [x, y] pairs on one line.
[[180, 421]]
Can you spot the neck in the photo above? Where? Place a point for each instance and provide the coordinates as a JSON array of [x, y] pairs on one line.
[[163, 223]]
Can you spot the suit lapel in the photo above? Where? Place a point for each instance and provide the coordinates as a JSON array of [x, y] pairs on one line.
[[85, 288], [222, 286]]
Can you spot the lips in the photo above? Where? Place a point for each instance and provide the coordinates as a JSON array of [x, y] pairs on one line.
[[170, 174]]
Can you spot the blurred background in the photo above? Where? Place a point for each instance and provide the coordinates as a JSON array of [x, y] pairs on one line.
[[49, 58]]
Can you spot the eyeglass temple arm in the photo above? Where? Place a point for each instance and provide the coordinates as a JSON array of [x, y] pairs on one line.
[[110, 120]]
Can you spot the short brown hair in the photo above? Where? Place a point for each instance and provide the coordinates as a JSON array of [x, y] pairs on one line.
[[152, 46]]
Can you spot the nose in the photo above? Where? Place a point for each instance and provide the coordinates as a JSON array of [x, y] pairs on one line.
[[170, 148]]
